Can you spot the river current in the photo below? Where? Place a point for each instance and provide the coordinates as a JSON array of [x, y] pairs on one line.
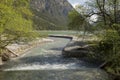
[[46, 62]]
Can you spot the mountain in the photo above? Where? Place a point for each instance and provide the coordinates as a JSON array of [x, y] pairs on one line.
[[50, 14]]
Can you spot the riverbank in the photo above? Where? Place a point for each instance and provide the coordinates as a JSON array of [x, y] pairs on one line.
[[83, 49], [80, 47], [15, 50]]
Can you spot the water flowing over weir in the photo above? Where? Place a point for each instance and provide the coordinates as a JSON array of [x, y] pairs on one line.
[[46, 62]]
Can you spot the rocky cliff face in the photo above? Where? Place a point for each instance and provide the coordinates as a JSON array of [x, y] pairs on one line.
[[50, 14]]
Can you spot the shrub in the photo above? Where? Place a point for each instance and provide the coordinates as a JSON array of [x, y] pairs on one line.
[[108, 50]]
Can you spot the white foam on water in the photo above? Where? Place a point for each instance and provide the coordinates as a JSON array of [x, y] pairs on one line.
[[44, 67]]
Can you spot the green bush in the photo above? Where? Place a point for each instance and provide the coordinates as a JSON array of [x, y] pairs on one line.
[[108, 50]]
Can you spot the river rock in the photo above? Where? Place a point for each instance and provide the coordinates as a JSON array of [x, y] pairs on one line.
[[76, 49], [5, 56]]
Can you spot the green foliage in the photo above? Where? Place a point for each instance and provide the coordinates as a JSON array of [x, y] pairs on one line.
[[21, 3], [108, 50], [12, 21], [107, 24], [22, 7], [15, 22], [7, 2], [76, 21]]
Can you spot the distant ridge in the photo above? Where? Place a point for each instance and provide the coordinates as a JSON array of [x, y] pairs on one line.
[[50, 14]]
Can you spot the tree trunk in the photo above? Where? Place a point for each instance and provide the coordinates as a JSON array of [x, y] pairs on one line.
[[1, 61], [115, 11]]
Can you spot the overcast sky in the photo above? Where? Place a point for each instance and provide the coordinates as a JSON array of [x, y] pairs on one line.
[[75, 2]]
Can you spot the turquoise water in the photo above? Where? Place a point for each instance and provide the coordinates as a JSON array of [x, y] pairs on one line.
[[46, 62]]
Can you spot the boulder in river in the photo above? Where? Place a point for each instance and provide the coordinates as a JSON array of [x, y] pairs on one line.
[[76, 49]]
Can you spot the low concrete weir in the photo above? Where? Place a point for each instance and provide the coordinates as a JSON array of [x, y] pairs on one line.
[[74, 48], [62, 36], [45, 62]]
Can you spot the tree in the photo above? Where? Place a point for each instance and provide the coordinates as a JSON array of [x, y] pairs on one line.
[[106, 10], [108, 48], [78, 20], [75, 20], [14, 23]]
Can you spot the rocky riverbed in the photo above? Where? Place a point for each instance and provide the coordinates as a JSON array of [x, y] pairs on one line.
[[45, 62], [15, 50]]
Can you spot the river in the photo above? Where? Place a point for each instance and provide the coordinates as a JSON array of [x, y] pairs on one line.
[[46, 62]]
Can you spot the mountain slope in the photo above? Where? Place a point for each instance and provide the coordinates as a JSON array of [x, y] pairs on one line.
[[50, 14]]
